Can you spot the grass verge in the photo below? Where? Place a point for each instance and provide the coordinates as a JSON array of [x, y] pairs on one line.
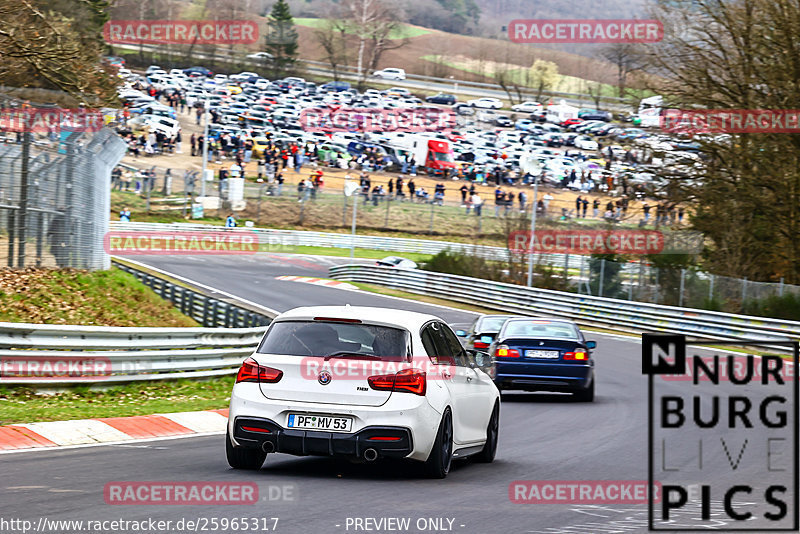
[[70, 296], [24, 405]]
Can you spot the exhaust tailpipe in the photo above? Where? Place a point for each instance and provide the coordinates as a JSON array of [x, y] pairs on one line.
[[370, 455], [268, 447]]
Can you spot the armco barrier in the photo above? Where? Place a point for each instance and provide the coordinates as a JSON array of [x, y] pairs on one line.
[[613, 314], [272, 239], [208, 311], [137, 354]]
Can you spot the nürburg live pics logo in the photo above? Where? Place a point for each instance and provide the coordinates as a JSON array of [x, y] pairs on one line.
[[722, 433]]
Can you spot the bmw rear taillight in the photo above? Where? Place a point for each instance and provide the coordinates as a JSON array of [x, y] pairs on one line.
[[576, 355], [250, 371], [504, 352], [406, 380]]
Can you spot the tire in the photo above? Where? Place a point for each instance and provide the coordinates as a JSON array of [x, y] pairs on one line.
[[584, 395], [486, 456], [241, 458], [438, 463]]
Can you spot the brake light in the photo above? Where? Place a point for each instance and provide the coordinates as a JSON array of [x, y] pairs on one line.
[[406, 380], [337, 320], [504, 352], [383, 438], [481, 345], [577, 355], [250, 371]]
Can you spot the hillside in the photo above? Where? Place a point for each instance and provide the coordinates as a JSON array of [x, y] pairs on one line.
[[453, 49]]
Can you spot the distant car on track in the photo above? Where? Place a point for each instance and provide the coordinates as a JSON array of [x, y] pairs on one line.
[[414, 392], [540, 354], [483, 330], [396, 262]]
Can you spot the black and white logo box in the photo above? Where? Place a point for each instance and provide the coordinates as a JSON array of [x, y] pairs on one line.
[[722, 434]]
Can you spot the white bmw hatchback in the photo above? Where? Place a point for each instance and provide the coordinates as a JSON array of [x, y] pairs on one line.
[[365, 384]]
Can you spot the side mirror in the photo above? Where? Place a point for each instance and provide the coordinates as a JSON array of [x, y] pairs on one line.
[[591, 344], [461, 333]]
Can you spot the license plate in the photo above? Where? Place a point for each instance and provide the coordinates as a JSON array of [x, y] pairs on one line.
[[305, 421], [552, 354]]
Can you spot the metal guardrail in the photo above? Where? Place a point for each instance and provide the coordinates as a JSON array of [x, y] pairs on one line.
[[208, 311], [273, 239], [125, 354], [614, 314]]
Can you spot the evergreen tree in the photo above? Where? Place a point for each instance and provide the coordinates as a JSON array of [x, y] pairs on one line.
[[281, 40]]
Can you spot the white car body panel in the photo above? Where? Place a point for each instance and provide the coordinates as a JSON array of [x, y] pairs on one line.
[[469, 393]]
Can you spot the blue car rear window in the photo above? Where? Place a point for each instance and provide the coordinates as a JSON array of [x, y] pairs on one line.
[[544, 330]]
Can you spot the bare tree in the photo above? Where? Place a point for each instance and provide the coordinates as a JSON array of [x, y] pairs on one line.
[[372, 22], [332, 37], [627, 58]]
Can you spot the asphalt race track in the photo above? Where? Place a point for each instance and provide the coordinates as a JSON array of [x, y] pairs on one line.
[[542, 437]]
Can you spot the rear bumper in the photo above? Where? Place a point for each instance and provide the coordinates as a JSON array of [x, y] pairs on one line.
[[317, 443], [530, 376]]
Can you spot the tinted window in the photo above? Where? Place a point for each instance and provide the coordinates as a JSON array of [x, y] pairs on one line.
[[453, 345], [540, 330], [491, 324], [320, 338]]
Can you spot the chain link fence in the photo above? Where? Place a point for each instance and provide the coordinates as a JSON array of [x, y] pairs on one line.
[[54, 193]]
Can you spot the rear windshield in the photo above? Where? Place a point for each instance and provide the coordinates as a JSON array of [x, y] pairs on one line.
[[491, 324], [321, 338], [540, 330]]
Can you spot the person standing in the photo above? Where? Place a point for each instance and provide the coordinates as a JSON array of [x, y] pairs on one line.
[[464, 190], [595, 208], [125, 214], [230, 222], [646, 211], [391, 187], [578, 206], [523, 200], [279, 178], [411, 188], [193, 142], [585, 206], [477, 203]]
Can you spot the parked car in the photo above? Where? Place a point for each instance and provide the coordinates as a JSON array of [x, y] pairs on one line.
[[529, 106], [485, 103], [290, 395], [540, 354], [442, 98], [585, 143], [503, 121], [261, 56], [334, 87], [390, 74], [198, 71]]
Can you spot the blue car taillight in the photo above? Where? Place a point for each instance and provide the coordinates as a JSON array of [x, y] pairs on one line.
[[576, 355]]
